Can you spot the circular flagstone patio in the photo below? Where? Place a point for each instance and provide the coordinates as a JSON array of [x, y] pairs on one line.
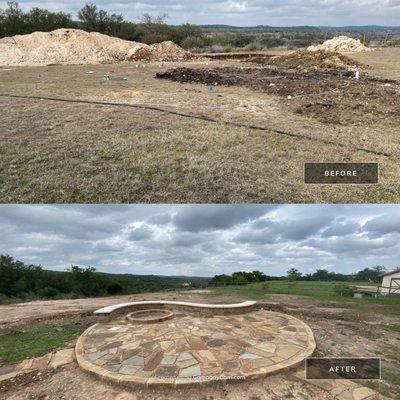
[[191, 349]]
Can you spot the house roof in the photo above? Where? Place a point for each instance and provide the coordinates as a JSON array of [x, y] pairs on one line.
[[390, 272]]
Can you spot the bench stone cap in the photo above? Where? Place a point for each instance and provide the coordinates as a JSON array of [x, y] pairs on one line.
[[114, 307]]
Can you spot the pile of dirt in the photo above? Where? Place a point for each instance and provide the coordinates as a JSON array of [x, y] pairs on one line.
[[329, 97], [341, 44], [306, 61], [74, 46], [164, 50]]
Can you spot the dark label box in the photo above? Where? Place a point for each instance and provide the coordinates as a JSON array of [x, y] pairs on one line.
[[341, 173], [343, 368]]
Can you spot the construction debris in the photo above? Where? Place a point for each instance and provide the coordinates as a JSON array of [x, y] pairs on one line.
[[306, 61], [75, 46], [341, 44], [332, 97]]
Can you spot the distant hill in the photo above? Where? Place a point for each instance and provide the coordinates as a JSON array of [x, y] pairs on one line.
[[19, 281], [160, 282], [302, 27]]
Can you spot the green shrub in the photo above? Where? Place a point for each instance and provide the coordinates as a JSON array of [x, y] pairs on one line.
[[48, 292], [114, 288], [344, 290]]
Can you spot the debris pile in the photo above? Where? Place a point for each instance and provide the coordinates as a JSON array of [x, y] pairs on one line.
[[305, 61], [75, 46], [332, 97], [341, 44], [164, 51]]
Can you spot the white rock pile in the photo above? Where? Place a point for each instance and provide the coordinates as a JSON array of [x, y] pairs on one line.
[[75, 46], [341, 44]]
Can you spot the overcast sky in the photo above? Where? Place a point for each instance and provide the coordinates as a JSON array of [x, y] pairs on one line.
[[203, 240], [244, 12]]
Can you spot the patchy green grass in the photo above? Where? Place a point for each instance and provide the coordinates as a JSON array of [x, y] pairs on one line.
[[377, 386], [392, 377], [34, 341], [393, 328], [321, 291]]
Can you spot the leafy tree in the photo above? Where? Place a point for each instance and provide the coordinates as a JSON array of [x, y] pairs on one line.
[[154, 29], [38, 19], [293, 274], [370, 274], [186, 31], [220, 280], [48, 292], [259, 276], [240, 278], [114, 288], [89, 16], [16, 277], [13, 21], [321, 275], [95, 20]]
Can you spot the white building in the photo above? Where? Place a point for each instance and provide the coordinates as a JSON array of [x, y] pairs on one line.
[[390, 282]]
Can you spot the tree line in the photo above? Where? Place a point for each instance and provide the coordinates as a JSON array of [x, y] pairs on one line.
[[293, 274], [149, 29], [19, 281], [153, 29]]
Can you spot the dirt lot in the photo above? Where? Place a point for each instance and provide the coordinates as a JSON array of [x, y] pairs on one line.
[[339, 331], [185, 143], [58, 386], [21, 314], [328, 97]]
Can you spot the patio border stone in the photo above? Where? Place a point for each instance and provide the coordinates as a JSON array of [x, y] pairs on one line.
[[288, 361]]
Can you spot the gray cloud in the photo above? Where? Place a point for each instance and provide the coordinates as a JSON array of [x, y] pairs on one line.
[[199, 218], [141, 233], [245, 12], [383, 224], [203, 239], [341, 228]]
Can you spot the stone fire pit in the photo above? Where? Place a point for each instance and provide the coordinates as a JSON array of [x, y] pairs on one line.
[[224, 343]]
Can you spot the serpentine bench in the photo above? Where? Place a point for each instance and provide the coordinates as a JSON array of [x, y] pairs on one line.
[[204, 309]]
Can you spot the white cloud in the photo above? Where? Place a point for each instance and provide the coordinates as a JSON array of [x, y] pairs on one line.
[[245, 13], [202, 239]]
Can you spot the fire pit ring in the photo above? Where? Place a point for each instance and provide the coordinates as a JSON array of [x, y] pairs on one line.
[[149, 316]]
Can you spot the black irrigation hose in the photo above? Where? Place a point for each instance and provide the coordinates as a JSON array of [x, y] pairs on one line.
[[203, 118]]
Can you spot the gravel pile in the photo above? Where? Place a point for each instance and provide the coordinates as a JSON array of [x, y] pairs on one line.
[[74, 46], [341, 44]]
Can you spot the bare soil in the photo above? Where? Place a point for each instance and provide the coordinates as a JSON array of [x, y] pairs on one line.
[[328, 96], [71, 383], [22, 314]]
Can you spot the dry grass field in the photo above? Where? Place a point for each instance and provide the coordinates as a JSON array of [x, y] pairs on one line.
[[167, 141]]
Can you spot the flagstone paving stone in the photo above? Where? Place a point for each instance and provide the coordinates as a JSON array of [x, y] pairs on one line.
[[194, 348]]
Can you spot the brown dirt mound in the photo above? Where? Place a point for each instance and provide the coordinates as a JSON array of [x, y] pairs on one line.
[[74, 46], [164, 51], [306, 61]]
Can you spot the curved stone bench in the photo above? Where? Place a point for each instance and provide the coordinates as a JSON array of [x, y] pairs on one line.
[[204, 309]]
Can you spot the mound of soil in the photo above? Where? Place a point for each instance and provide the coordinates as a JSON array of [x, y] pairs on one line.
[[306, 61], [74, 46], [329, 97], [341, 44]]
